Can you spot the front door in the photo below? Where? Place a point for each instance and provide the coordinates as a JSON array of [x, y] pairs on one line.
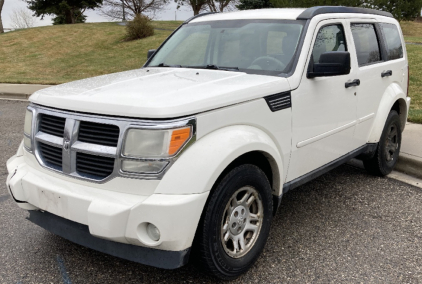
[[324, 110]]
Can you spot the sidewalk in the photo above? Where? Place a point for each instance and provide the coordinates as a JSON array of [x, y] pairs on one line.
[[19, 91], [410, 160]]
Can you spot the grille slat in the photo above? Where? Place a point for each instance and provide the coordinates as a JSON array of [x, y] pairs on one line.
[[92, 173], [92, 170], [51, 155], [96, 137], [53, 125], [101, 134], [51, 130], [97, 166], [94, 163]]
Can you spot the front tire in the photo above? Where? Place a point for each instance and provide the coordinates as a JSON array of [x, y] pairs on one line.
[[387, 153], [236, 222]]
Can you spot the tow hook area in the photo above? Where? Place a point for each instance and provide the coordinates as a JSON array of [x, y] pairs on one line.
[[10, 188], [14, 184]]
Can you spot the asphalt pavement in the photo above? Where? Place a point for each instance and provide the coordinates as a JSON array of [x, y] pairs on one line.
[[344, 227]]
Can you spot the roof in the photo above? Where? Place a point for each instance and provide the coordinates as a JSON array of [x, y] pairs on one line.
[[285, 13], [314, 11]]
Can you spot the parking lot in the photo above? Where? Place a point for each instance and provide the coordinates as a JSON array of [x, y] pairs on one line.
[[344, 227]]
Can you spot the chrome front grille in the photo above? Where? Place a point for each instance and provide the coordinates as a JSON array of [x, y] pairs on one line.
[[96, 133], [51, 155], [53, 125], [95, 167], [77, 145]]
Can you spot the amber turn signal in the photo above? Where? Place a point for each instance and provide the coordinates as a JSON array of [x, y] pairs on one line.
[[178, 139]]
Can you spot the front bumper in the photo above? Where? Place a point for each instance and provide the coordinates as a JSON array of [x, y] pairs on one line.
[[110, 221], [80, 235]]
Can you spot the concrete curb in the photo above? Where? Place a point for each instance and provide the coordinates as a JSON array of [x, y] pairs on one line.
[[409, 165], [14, 96], [19, 91]]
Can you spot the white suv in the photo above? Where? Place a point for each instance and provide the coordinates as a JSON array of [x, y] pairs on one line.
[[195, 150]]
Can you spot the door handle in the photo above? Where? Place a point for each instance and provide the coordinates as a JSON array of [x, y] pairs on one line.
[[353, 83], [387, 73]]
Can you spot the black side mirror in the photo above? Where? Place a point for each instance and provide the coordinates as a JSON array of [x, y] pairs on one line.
[[333, 63], [151, 53]]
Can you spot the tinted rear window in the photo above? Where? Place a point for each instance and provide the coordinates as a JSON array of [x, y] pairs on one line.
[[393, 41], [366, 43]]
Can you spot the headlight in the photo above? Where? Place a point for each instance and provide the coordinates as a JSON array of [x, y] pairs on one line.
[[141, 143], [27, 130], [148, 151]]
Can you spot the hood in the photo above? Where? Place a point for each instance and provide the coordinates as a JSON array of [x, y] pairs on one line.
[[159, 92]]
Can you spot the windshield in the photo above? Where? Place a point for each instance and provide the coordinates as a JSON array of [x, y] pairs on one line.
[[251, 46]]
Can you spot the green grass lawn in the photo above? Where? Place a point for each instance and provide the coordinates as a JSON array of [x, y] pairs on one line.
[[59, 54], [413, 33]]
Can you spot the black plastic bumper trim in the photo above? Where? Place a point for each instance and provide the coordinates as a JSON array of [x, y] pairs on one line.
[[79, 234]]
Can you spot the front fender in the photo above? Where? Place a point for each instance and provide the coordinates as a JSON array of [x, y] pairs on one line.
[[198, 168], [393, 94]]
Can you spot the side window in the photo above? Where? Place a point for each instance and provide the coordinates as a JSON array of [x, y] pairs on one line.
[[393, 41], [366, 43], [329, 38]]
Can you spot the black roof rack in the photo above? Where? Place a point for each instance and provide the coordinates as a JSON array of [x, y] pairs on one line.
[[314, 11], [199, 15]]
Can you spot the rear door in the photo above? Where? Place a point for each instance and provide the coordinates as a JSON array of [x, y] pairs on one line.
[[378, 67]]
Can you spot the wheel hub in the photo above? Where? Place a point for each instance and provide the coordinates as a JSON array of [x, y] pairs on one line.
[[238, 220]]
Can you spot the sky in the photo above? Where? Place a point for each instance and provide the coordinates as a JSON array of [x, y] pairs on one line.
[[167, 13]]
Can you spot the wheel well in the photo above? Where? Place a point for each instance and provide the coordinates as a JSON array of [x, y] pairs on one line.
[[260, 159], [400, 107]]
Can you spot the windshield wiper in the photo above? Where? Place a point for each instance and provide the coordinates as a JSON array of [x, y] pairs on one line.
[[215, 67], [167, 65]]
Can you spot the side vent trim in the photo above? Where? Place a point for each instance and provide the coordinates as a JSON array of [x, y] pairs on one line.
[[279, 101]]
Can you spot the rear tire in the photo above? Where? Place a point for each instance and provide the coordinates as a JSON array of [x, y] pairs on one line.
[[236, 222], [387, 153]]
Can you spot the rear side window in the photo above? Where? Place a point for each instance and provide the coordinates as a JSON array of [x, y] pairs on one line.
[[393, 41], [329, 38], [366, 43]]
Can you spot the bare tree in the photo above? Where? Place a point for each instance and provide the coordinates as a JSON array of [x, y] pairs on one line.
[[220, 5], [196, 5], [1, 24], [22, 19], [120, 9]]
